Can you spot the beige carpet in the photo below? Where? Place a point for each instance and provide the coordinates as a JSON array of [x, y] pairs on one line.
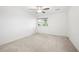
[[39, 43]]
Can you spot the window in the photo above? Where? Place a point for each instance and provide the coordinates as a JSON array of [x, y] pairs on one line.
[[42, 22]]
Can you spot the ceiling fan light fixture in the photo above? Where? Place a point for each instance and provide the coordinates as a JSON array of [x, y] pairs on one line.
[[39, 11]]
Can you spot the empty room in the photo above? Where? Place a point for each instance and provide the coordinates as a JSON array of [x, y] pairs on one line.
[[39, 28]]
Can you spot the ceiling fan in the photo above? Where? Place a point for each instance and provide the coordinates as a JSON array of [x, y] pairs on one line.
[[40, 9]]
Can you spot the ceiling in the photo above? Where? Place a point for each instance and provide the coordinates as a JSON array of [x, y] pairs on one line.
[[52, 10]]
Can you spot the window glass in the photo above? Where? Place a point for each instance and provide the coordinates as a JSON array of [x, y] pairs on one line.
[[42, 22]]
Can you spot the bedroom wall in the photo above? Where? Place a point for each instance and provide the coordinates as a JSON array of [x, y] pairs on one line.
[[15, 23], [57, 25], [74, 25]]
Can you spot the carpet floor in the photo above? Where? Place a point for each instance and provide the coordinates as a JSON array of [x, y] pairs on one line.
[[40, 43]]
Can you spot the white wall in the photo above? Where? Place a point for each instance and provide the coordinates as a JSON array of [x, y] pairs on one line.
[[57, 24], [74, 26], [15, 23]]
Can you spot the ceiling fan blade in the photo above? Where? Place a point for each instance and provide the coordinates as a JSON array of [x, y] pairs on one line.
[[46, 8], [32, 9], [43, 12]]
